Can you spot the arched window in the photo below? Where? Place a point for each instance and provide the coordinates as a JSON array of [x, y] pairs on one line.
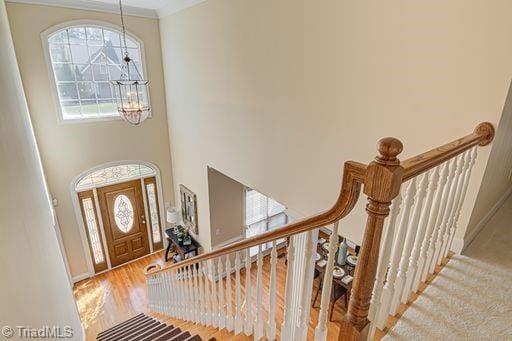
[[83, 59]]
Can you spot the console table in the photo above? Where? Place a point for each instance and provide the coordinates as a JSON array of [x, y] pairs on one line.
[[178, 247]]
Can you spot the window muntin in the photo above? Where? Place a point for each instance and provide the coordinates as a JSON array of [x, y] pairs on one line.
[[84, 59]]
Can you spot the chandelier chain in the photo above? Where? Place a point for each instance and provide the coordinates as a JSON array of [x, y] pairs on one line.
[[124, 29]]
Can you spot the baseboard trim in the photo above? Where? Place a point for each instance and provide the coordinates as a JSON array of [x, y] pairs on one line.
[[81, 277], [481, 224]]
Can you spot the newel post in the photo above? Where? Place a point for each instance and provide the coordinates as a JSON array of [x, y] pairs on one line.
[[381, 185]]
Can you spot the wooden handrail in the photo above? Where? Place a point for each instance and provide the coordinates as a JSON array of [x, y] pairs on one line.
[[353, 177], [483, 135]]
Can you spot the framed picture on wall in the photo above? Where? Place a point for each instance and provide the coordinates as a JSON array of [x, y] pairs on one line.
[[189, 209]]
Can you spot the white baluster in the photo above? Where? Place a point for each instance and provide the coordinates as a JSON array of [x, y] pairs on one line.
[[432, 223], [149, 285], [202, 295], [321, 327], [271, 331], [222, 313], [437, 236], [382, 267], [229, 316], [471, 157], [258, 325], [409, 257], [238, 296], [447, 219], [167, 291], [192, 297], [207, 298], [197, 298], [248, 306], [187, 294], [215, 302], [388, 293], [179, 295], [427, 187], [286, 327], [424, 230], [307, 285]]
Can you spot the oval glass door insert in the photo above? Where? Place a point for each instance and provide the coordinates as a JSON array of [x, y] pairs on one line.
[[123, 213]]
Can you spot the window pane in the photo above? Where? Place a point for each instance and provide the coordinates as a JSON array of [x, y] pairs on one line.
[[103, 90], [114, 71], [94, 36], [71, 109], [97, 55], [107, 107], [115, 55], [112, 38], [131, 43], [134, 55], [83, 72], [89, 108], [123, 213], [79, 53], [100, 72], [274, 207], [92, 228], [60, 53], [67, 91], [153, 212], [76, 35], [64, 72], [86, 90], [255, 207], [60, 37]]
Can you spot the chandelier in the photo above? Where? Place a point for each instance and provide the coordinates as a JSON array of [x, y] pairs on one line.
[[131, 90]]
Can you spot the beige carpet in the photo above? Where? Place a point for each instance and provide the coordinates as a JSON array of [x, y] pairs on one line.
[[471, 299]]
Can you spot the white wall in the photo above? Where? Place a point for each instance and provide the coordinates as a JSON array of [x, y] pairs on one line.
[[497, 181], [69, 149], [278, 94], [35, 290], [227, 201]]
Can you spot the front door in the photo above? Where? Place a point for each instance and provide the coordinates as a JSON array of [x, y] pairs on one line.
[[122, 212]]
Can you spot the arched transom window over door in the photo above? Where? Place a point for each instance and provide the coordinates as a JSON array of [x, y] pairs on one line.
[[83, 59]]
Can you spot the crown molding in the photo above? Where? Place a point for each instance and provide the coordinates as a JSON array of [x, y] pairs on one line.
[[176, 6], [95, 6]]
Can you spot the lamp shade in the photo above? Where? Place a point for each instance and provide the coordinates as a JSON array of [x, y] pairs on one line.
[[173, 215]]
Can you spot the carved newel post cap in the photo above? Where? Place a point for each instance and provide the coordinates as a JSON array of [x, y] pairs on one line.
[[389, 148], [485, 129]]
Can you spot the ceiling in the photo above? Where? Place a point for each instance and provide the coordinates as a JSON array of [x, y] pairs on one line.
[[144, 8]]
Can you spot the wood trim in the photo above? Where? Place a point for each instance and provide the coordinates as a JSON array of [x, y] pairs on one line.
[[90, 195], [483, 135], [353, 177], [160, 244]]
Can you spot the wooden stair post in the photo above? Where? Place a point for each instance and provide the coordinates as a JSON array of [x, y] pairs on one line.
[[381, 185]]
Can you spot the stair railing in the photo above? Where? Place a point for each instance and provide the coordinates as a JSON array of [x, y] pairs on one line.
[[207, 288]]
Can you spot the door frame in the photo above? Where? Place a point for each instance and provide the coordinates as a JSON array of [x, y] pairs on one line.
[[79, 218]]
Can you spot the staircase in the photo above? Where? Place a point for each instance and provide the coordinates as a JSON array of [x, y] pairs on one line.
[[145, 328], [422, 196]]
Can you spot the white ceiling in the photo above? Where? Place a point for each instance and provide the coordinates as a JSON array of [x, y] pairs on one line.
[[144, 8]]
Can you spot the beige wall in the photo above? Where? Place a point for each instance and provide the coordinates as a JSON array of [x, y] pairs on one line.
[[35, 291], [497, 181], [278, 94], [69, 149], [226, 199]]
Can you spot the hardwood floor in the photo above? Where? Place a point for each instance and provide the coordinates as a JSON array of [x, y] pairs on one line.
[[117, 295]]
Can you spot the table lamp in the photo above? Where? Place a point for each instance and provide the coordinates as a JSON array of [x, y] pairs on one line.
[[173, 217]]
